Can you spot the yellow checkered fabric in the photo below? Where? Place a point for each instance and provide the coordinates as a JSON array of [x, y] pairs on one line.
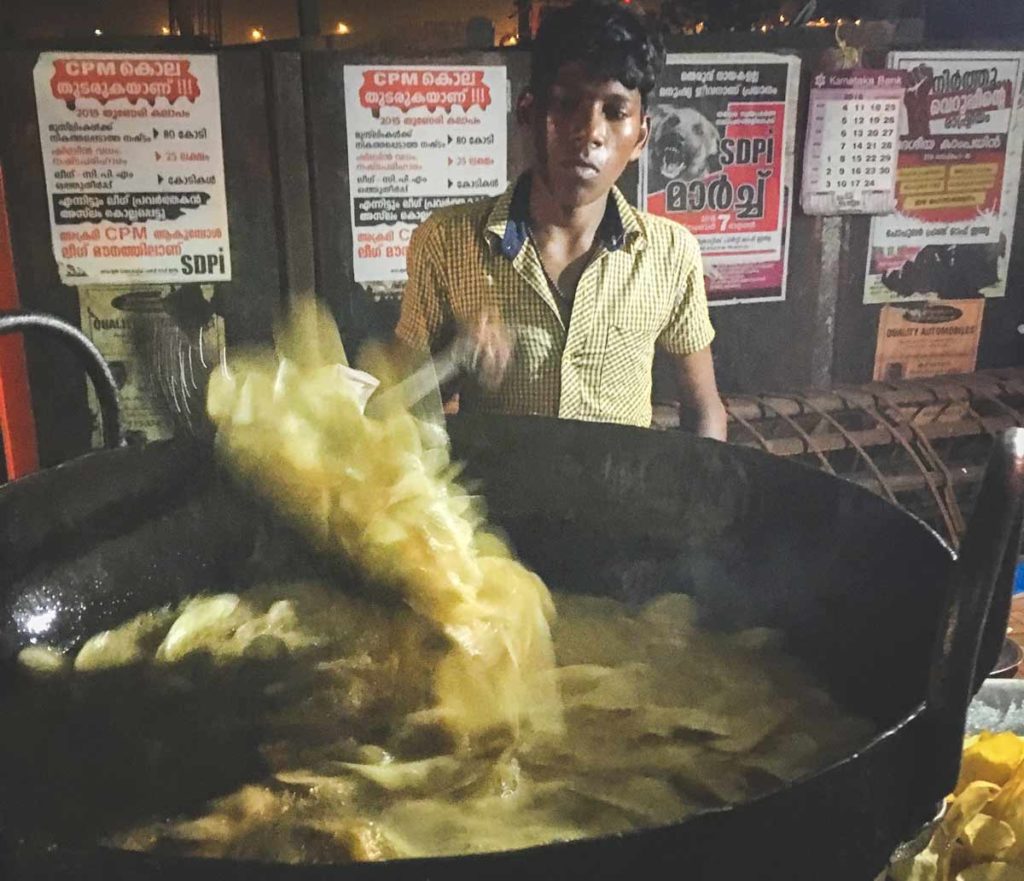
[[643, 288]]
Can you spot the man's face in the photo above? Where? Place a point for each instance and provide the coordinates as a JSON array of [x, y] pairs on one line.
[[585, 133]]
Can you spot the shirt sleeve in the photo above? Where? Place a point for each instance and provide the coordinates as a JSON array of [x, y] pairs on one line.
[[689, 326], [425, 320]]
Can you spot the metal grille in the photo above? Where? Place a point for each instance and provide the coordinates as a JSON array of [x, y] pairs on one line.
[[920, 444]]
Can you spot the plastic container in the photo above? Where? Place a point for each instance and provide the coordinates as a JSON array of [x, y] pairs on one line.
[[998, 706]]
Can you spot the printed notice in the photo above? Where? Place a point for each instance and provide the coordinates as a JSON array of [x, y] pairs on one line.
[[956, 181], [921, 339], [419, 138], [134, 167], [160, 342], [720, 162], [852, 142]]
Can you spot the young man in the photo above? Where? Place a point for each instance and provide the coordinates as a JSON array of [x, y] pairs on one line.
[[565, 287]]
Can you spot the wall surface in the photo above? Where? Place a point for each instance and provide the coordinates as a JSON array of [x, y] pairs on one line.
[[286, 172]]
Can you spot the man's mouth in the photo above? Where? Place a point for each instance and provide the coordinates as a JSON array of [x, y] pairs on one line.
[[581, 168]]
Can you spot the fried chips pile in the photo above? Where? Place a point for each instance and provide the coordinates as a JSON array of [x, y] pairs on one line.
[[981, 834], [663, 718]]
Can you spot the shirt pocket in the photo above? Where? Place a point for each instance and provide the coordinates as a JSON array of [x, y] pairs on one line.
[[626, 369]]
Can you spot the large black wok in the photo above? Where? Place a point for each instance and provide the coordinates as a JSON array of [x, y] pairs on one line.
[[865, 593]]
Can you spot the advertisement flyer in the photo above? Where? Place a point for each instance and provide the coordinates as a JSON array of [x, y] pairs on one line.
[[928, 339], [134, 166], [852, 142], [419, 138], [159, 341], [720, 162], [956, 181]]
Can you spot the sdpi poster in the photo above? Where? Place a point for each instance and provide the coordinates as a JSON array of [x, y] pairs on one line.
[[720, 162]]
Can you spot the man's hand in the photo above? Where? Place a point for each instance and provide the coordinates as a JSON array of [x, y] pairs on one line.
[[700, 407], [488, 346]]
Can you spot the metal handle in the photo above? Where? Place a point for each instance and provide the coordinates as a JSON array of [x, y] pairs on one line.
[[92, 360], [984, 567], [423, 381]]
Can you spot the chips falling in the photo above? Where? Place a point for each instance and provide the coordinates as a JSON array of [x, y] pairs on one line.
[[383, 493]]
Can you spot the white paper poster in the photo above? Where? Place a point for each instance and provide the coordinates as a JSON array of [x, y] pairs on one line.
[[134, 166], [419, 138], [852, 142], [956, 180]]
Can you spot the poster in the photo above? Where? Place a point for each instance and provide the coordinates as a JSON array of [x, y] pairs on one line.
[[720, 162], [852, 143], [916, 340], [419, 138], [134, 167], [160, 342], [956, 180]]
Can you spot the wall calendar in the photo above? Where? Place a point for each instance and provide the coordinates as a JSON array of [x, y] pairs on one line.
[[853, 130]]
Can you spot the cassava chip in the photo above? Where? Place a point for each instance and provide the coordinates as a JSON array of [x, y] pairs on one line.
[[965, 807], [42, 660], [992, 757], [992, 872], [988, 838]]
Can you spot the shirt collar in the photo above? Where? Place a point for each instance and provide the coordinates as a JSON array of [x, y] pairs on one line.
[[509, 219]]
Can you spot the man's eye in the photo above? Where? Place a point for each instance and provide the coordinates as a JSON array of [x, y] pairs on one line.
[[616, 112]]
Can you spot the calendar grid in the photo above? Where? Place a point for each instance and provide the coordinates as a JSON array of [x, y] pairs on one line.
[[852, 143]]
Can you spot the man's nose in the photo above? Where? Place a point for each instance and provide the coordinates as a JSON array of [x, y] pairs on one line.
[[590, 126]]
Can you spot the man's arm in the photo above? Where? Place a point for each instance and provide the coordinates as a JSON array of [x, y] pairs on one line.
[[701, 409], [427, 325], [687, 338]]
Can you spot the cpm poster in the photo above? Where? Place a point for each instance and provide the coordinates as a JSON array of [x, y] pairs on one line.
[[419, 138], [956, 181], [134, 167], [720, 162]]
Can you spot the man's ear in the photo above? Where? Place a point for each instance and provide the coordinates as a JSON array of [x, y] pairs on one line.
[[526, 106], [643, 136]]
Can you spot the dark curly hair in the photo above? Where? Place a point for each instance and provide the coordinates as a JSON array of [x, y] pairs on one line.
[[613, 41]]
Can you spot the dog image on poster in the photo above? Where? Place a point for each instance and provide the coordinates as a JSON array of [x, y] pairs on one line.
[[684, 146]]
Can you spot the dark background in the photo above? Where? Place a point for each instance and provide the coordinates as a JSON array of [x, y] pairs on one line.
[[286, 178]]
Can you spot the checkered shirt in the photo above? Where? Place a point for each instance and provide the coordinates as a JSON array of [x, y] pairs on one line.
[[643, 288]]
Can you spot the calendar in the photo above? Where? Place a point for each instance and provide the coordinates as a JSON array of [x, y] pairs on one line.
[[853, 128]]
